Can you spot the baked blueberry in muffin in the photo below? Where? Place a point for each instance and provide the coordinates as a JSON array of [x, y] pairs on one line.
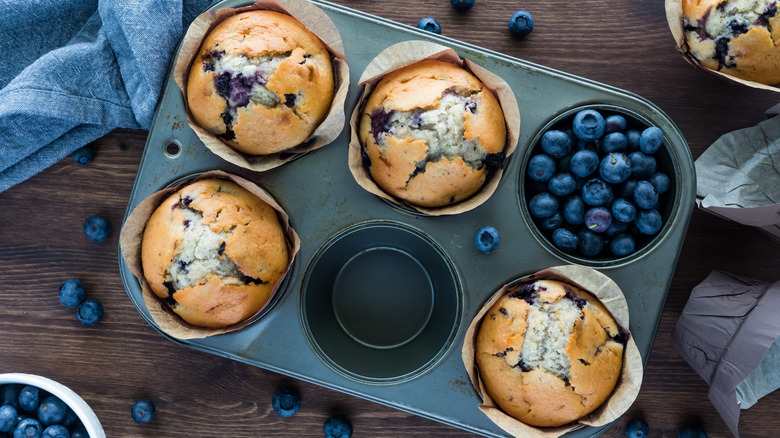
[[261, 82], [431, 133], [737, 37]]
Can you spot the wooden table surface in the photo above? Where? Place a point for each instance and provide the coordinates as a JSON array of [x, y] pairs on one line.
[[622, 43]]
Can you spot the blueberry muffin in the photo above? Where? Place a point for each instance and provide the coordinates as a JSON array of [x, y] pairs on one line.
[[214, 252], [431, 132], [261, 82], [737, 37], [549, 353]]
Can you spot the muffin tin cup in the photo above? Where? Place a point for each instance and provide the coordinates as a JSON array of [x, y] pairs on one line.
[[314, 19], [131, 237], [628, 385], [409, 52], [674, 17]]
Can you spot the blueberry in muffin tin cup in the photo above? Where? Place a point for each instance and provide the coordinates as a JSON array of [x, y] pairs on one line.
[[675, 19], [409, 52], [130, 244], [316, 21], [628, 384]]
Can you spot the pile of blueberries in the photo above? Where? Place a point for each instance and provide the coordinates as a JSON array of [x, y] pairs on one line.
[[593, 187], [30, 412]]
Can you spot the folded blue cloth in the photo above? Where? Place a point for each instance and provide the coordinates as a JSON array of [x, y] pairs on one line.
[[72, 71]]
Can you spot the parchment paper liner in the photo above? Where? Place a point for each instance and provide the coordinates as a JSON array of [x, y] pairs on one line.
[[627, 388], [407, 53], [674, 17], [318, 23], [130, 244]]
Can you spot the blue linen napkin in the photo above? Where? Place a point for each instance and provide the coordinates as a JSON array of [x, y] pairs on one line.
[[72, 71]]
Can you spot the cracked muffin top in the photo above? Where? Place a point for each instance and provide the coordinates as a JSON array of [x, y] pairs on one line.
[[549, 353], [431, 132], [737, 37], [214, 252], [261, 82]]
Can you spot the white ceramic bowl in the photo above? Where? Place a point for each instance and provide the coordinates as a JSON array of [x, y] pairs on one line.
[[76, 403]]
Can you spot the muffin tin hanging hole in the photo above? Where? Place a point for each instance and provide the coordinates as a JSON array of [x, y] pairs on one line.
[[172, 149]]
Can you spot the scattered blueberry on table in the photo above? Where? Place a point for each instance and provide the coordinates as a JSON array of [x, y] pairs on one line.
[[430, 24], [83, 156], [337, 427], [521, 23], [89, 312], [637, 428], [462, 5], [71, 292], [286, 402], [97, 228], [142, 411], [598, 172], [486, 239]]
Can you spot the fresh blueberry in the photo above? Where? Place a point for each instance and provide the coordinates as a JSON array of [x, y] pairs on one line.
[[589, 243], [286, 402], [337, 427], [615, 123], [661, 182], [79, 432], [56, 431], [621, 245], [142, 411], [588, 125], [486, 239], [637, 428], [52, 410], [29, 398], [614, 142], [645, 195], [97, 228], [89, 312], [583, 163], [642, 165], [633, 136], [9, 394], [83, 156], [648, 221], [28, 428], [430, 24], [615, 168], [596, 192], [70, 418], [556, 144], [564, 239], [626, 190], [552, 222], [651, 140], [598, 219], [462, 5], [521, 23], [541, 168], [691, 432], [574, 210], [543, 205], [616, 228], [623, 211], [71, 292], [562, 184], [8, 418]]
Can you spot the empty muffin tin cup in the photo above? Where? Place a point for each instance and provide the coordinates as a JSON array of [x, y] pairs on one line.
[[160, 313], [404, 54], [628, 384], [668, 160], [380, 302]]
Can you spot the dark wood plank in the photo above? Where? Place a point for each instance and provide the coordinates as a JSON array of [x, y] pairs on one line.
[[621, 43]]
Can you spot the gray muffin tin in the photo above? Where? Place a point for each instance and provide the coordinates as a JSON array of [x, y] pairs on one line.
[[378, 299]]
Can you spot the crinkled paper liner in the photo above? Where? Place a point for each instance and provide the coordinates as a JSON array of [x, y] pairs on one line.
[[407, 53], [314, 19], [130, 243], [674, 17], [627, 388]]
